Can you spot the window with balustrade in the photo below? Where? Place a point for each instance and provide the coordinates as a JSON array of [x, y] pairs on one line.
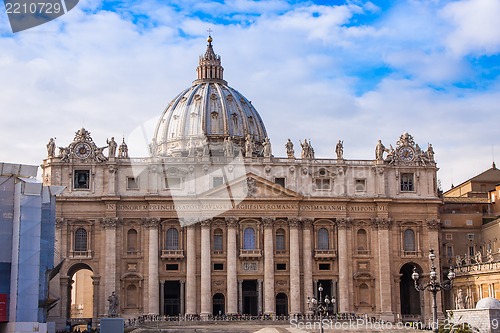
[[81, 238], [249, 238], [172, 239], [323, 239], [280, 240], [218, 240]]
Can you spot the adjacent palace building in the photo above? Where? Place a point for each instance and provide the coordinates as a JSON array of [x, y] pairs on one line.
[[212, 223]]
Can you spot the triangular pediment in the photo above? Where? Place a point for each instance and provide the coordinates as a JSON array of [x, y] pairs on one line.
[[250, 186]]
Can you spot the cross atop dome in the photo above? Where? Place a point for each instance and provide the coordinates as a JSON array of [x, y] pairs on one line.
[[209, 67]]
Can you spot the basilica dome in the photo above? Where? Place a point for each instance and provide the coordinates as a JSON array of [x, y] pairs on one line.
[[202, 116]]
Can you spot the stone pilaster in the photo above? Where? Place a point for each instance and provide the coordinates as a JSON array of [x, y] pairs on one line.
[[95, 309], [240, 296], [307, 261], [153, 298], [65, 292], [384, 280], [183, 296], [191, 294], [269, 303], [112, 168], [344, 296], [206, 281], [294, 266], [259, 296], [110, 224], [232, 262]]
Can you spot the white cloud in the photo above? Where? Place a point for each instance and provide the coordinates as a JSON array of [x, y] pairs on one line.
[[476, 24]]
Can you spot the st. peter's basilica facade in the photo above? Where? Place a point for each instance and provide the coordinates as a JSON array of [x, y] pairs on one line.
[[212, 223]]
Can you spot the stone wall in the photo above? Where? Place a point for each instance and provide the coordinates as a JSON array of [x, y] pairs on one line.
[[486, 320]]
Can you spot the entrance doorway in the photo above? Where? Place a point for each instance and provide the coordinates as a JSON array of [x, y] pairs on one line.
[[250, 297], [281, 304], [218, 304], [409, 296], [81, 292], [327, 291], [172, 298]]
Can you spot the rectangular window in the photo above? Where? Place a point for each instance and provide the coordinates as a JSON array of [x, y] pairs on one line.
[[449, 251], [407, 182], [280, 181], [449, 236], [470, 236], [218, 266], [281, 267], [132, 183], [217, 181], [469, 222], [81, 180], [323, 184], [471, 251], [172, 267], [447, 222], [324, 267], [360, 185], [173, 183]]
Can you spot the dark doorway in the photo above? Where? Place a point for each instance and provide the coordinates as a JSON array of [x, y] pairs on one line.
[[409, 296], [281, 304], [250, 297], [327, 291], [172, 298], [218, 304]]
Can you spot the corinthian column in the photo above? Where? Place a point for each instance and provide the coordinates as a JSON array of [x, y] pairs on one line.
[[307, 261], [153, 298], [191, 294], [109, 224], [343, 302], [268, 266], [294, 266], [206, 283], [384, 287], [232, 278]]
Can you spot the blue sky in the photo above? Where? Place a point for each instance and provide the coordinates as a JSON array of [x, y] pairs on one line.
[[354, 70]]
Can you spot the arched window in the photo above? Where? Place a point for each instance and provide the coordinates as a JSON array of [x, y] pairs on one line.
[[409, 240], [249, 239], [218, 240], [362, 241], [323, 242], [172, 239], [132, 240], [81, 239], [280, 240], [131, 296]]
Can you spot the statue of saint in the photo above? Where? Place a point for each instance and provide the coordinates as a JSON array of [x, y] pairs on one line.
[[111, 147], [460, 300], [289, 149], [51, 148], [267, 147], [339, 150], [305, 149], [379, 151], [248, 146], [113, 305], [310, 154], [430, 152], [479, 257], [191, 147], [228, 147]]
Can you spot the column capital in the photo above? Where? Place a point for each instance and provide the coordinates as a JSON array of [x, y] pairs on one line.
[[206, 223], [110, 222], [96, 280], [150, 222], [231, 222], [293, 222], [268, 222], [343, 223], [306, 222], [381, 223], [59, 222]]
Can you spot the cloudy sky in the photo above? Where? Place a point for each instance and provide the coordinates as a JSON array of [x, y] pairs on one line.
[[353, 70]]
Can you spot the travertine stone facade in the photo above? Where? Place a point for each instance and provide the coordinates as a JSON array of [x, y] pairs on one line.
[[210, 225]]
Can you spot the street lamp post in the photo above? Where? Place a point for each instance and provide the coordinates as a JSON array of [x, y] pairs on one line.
[[320, 306], [434, 286]]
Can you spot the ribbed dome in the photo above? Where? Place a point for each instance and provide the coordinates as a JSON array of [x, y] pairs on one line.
[[208, 112]]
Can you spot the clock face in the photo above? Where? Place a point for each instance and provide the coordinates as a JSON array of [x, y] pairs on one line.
[[82, 150], [406, 154]]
